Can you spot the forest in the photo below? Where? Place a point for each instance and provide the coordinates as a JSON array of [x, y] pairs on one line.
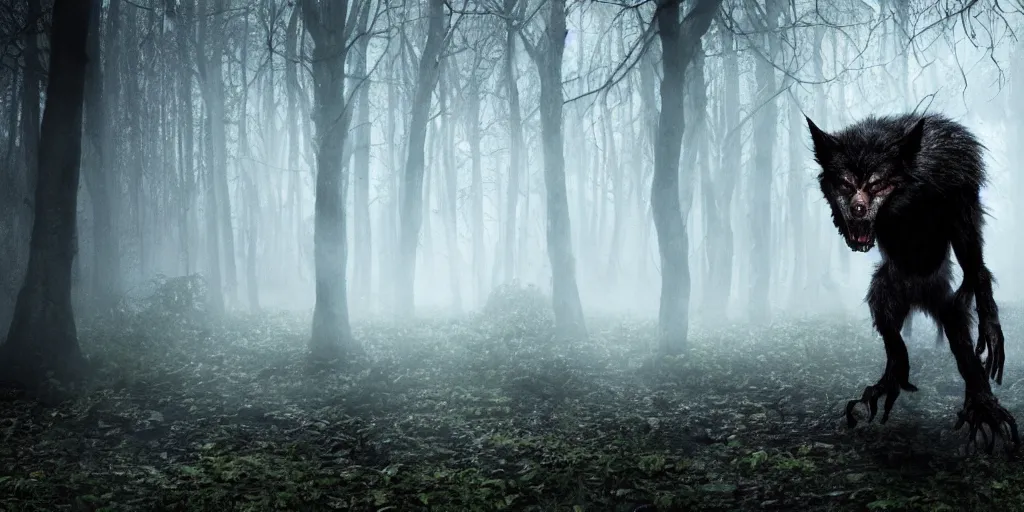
[[474, 255]]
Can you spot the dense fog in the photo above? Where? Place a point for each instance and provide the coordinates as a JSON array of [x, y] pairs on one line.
[[171, 83], [241, 187]]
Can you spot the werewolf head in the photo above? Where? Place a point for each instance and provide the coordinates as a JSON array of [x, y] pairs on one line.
[[862, 167]]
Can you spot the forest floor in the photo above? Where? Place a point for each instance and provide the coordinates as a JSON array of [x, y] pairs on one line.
[[487, 413]]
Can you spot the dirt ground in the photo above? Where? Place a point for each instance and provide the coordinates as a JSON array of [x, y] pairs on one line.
[[489, 413]]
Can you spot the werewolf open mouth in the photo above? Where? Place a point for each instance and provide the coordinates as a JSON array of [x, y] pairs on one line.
[[860, 235]]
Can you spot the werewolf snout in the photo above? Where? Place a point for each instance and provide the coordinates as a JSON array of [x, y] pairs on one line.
[[859, 207], [858, 213]]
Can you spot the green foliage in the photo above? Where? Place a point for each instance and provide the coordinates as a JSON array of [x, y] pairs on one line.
[[516, 311]]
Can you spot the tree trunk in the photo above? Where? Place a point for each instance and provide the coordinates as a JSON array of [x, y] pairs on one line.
[[42, 335], [798, 180], [411, 214], [619, 192], [476, 185], [136, 102], [362, 268], [840, 119], [450, 198], [720, 189], [30, 106], [649, 132], [25, 182], [694, 136], [765, 135], [568, 310], [387, 282], [246, 169], [10, 156], [99, 175], [427, 229], [523, 239], [187, 126], [515, 128], [678, 43], [332, 333], [11, 245], [212, 87], [222, 190], [291, 77], [820, 267]]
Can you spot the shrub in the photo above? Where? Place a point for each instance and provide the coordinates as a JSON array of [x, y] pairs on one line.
[[516, 311], [163, 301]]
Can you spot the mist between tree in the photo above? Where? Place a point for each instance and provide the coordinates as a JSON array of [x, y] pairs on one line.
[[400, 162], [483, 208], [469, 148]]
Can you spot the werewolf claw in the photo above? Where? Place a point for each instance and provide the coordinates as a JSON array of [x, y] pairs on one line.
[[983, 409], [990, 338], [886, 386]]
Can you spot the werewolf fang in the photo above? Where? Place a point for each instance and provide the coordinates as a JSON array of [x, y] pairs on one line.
[[912, 184]]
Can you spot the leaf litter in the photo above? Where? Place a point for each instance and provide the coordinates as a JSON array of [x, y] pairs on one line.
[[490, 412]]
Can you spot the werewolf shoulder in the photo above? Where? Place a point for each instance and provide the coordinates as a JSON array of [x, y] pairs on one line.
[[949, 159]]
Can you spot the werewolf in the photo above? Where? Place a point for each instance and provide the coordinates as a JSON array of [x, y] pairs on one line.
[[912, 183]]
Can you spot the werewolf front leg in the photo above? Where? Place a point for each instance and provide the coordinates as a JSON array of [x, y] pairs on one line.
[[981, 408], [977, 284], [889, 301]]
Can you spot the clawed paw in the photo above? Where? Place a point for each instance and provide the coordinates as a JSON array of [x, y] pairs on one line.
[[981, 410], [888, 387]]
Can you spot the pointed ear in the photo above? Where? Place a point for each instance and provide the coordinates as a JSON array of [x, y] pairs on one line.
[[910, 144], [824, 144]]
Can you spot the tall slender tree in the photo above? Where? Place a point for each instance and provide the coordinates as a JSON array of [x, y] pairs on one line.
[[99, 173], [476, 187], [43, 336], [679, 40], [209, 52], [515, 129], [332, 28], [411, 214], [363, 262], [765, 134], [721, 187], [186, 126], [246, 170], [547, 56]]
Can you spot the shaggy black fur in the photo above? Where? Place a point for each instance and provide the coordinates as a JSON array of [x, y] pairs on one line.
[[912, 183]]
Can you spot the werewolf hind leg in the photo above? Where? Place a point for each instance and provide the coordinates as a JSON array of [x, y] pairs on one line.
[[889, 299]]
